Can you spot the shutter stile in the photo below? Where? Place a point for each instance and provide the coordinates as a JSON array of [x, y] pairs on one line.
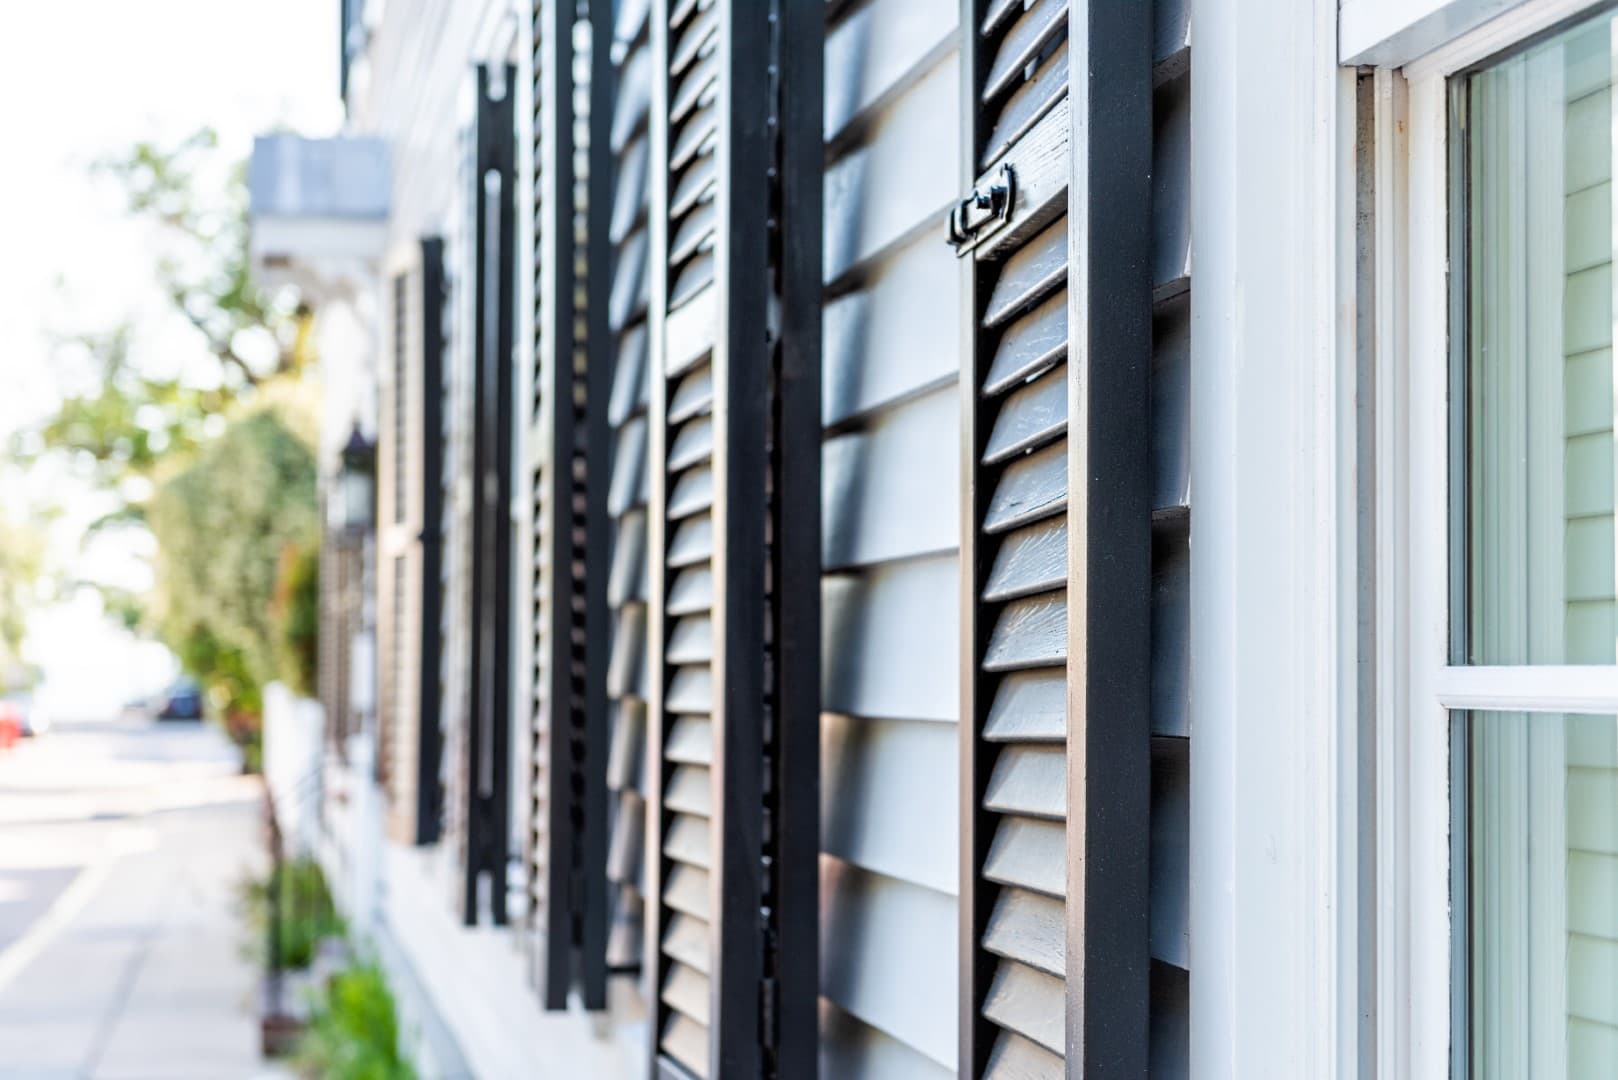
[[481, 581]]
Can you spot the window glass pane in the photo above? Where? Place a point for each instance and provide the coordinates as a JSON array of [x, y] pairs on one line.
[[1537, 896], [1533, 326]]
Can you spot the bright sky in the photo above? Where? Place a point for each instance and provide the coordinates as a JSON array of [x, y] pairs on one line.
[[82, 80]]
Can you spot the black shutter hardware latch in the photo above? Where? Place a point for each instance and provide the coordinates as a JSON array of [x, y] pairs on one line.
[[983, 213]]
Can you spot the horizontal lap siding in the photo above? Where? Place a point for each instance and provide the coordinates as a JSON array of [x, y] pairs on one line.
[[890, 504]]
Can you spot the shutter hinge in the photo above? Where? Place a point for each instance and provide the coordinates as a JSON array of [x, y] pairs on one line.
[[983, 213]]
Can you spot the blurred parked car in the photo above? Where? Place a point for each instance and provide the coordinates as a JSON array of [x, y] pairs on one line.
[[10, 724], [182, 701], [29, 717]]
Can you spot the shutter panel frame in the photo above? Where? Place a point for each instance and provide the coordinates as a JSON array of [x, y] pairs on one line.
[[735, 368], [1056, 536]]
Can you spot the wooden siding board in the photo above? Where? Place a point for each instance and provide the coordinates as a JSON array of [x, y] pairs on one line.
[[878, 52], [890, 640], [883, 491], [853, 1050], [876, 351], [888, 797], [877, 195], [910, 996]]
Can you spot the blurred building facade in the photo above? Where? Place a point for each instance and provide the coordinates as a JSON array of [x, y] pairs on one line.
[[787, 640]]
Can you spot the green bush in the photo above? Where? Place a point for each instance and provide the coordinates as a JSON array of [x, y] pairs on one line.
[[353, 1033], [222, 525], [307, 914], [297, 616]]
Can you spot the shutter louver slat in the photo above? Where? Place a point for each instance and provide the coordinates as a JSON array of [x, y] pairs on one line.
[[628, 843], [1031, 632], [693, 444], [628, 377], [1041, 22], [689, 334], [690, 742], [627, 583], [692, 591], [624, 766], [1017, 1058], [693, 396], [697, 274], [626, 668], [698, 38], [689, 791], [686, 1041], [692, 641], [1029, 346], [1029, 928], [693, 542], [686, 941], [1029, 780], [1029, 706], [697, 87], [687, 841], [1028, 105], [1030, 560], [690, 691], [693, 493], [687, 991], [1029, 853], [1034, 270], [696, 137], [1030, 488], [1030, 417], [634, 99], [1029, 1003], [629, 203], [687, 891]]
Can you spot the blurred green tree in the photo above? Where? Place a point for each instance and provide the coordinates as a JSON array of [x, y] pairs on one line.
[[213, 454], [224, 525]]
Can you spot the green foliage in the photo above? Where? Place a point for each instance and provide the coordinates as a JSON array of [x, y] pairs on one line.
[[307, 914], [253, 333], [203, 456], [354, 1032], [22, 556], [126, 423], [297, 616], [221, 525]]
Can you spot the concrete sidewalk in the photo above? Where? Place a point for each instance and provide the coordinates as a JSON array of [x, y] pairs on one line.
[[138, 970]]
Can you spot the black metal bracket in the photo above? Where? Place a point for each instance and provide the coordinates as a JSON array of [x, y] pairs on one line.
[[983, 213]]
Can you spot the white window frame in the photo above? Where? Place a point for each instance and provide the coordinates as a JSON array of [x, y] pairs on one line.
[[1419, 687]]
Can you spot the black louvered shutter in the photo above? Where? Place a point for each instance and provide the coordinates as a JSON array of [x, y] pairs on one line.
[[1057, 545], [429, 785], [485, 742], [569, 459], [734, 535]]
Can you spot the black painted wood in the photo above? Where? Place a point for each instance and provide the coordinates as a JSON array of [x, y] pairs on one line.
[[487, 743], [734, 585], [429, 730], [1057, 543]]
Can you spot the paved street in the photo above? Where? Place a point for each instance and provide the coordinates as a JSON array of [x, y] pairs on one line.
[[123, 845]]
